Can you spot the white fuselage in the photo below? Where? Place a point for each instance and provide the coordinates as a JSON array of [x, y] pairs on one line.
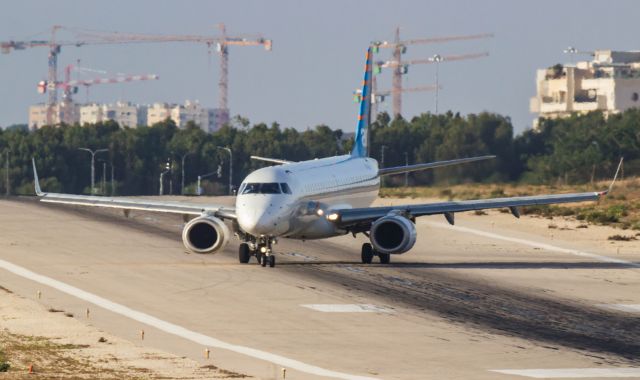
[[297, 210]]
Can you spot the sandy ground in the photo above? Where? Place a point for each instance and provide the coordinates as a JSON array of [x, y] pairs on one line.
[[463, 304], [87, 351]]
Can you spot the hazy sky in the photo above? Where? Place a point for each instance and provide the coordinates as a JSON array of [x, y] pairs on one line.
[[318, 52]]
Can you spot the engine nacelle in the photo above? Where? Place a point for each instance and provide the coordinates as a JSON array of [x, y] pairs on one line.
[[205, 234], [393, 233]]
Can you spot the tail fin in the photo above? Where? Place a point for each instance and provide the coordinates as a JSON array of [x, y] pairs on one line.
[[360, 143]]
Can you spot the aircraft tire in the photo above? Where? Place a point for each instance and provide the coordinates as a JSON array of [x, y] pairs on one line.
[[385, 258], [367, 253], [272, 261], [244, 253]]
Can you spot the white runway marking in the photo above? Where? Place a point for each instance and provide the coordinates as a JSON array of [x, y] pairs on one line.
[[622, 307], [176, 330], [535, 244], [348, 308], [571, 373]]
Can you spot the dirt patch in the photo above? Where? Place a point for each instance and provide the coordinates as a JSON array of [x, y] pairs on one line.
[[50, 343]]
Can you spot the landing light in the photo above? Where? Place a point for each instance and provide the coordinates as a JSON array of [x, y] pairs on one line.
[[333, 217], [263, 249], [320, 212]]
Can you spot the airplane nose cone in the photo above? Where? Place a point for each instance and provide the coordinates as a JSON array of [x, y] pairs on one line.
[[257, 224]]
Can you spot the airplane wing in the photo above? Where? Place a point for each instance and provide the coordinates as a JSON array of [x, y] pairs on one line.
[[347, 218], [183, 208], [430, 165], [272, 160]]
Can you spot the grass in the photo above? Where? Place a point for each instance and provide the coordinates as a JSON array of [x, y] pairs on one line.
[[620, 209]]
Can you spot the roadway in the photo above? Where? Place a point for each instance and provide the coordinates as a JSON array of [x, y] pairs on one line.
[[490, 294]]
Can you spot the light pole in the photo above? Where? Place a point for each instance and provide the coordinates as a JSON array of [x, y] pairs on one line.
[[230, 168], [7, 186], [167, 169], [200, 178], [382, 148], [437, 58], [571, 50], [406, 174], [184, 156], [93, 165]]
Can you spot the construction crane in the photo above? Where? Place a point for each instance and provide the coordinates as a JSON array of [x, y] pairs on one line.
[[70, 87], [400, 47], [90, 37], [378, 97]]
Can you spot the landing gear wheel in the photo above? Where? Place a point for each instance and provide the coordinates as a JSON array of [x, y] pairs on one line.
[[272, 261], [263, 260], [259, 257], [385, 258], [367, 253], [244, 253]]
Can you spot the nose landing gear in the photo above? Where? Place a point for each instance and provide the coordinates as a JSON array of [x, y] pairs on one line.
[[260, 248]]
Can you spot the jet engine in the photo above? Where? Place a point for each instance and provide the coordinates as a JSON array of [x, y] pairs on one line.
[[205, 234], [393, 233]]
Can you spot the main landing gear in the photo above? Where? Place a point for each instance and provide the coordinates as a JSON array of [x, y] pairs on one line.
[[261, 249], [368, 252]]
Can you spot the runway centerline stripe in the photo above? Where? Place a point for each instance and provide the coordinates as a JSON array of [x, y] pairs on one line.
[[535, 244], [571, 373], [174, 329]]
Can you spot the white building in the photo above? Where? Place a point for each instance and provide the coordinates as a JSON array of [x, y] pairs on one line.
[[609, 83], [123, 113], [182, 114], [128, 114]]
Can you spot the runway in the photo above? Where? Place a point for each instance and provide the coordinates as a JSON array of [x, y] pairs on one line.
[[459, 305]]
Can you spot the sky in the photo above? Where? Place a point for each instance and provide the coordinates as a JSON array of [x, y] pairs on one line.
[[318, 52]]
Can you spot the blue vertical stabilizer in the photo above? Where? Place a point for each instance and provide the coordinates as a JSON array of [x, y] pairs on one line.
[[360, 143]]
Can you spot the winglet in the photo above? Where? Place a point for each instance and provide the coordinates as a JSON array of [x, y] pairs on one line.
[[35, 179], [614, 178]]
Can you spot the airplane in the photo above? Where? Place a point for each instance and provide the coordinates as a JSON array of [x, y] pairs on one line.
[[315, 199]]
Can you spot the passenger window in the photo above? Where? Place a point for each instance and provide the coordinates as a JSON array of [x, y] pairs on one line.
[[285, 188]]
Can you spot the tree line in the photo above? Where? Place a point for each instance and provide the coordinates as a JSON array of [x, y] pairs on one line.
[[577, 149]]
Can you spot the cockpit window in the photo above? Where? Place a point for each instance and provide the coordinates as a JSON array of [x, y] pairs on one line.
[[285, 188], [270, 188], [261, 188]]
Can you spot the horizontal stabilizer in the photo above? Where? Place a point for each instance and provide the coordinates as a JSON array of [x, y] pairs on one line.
[[272, 160], [430, 165]]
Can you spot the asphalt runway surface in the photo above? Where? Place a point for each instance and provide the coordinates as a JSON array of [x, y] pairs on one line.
[[457, 306]]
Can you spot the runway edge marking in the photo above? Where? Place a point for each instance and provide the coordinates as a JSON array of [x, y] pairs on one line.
[[174, 329], [629, 308], [571, 373], [535, 244]]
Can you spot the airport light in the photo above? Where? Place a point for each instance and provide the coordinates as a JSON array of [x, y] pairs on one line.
[[201, 177], [184, 156], [167, 169], [104, 170], [572, 51], [93, 165], [382, 148], [230, 168], [7, 186], [406, 174], [437, 58]]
